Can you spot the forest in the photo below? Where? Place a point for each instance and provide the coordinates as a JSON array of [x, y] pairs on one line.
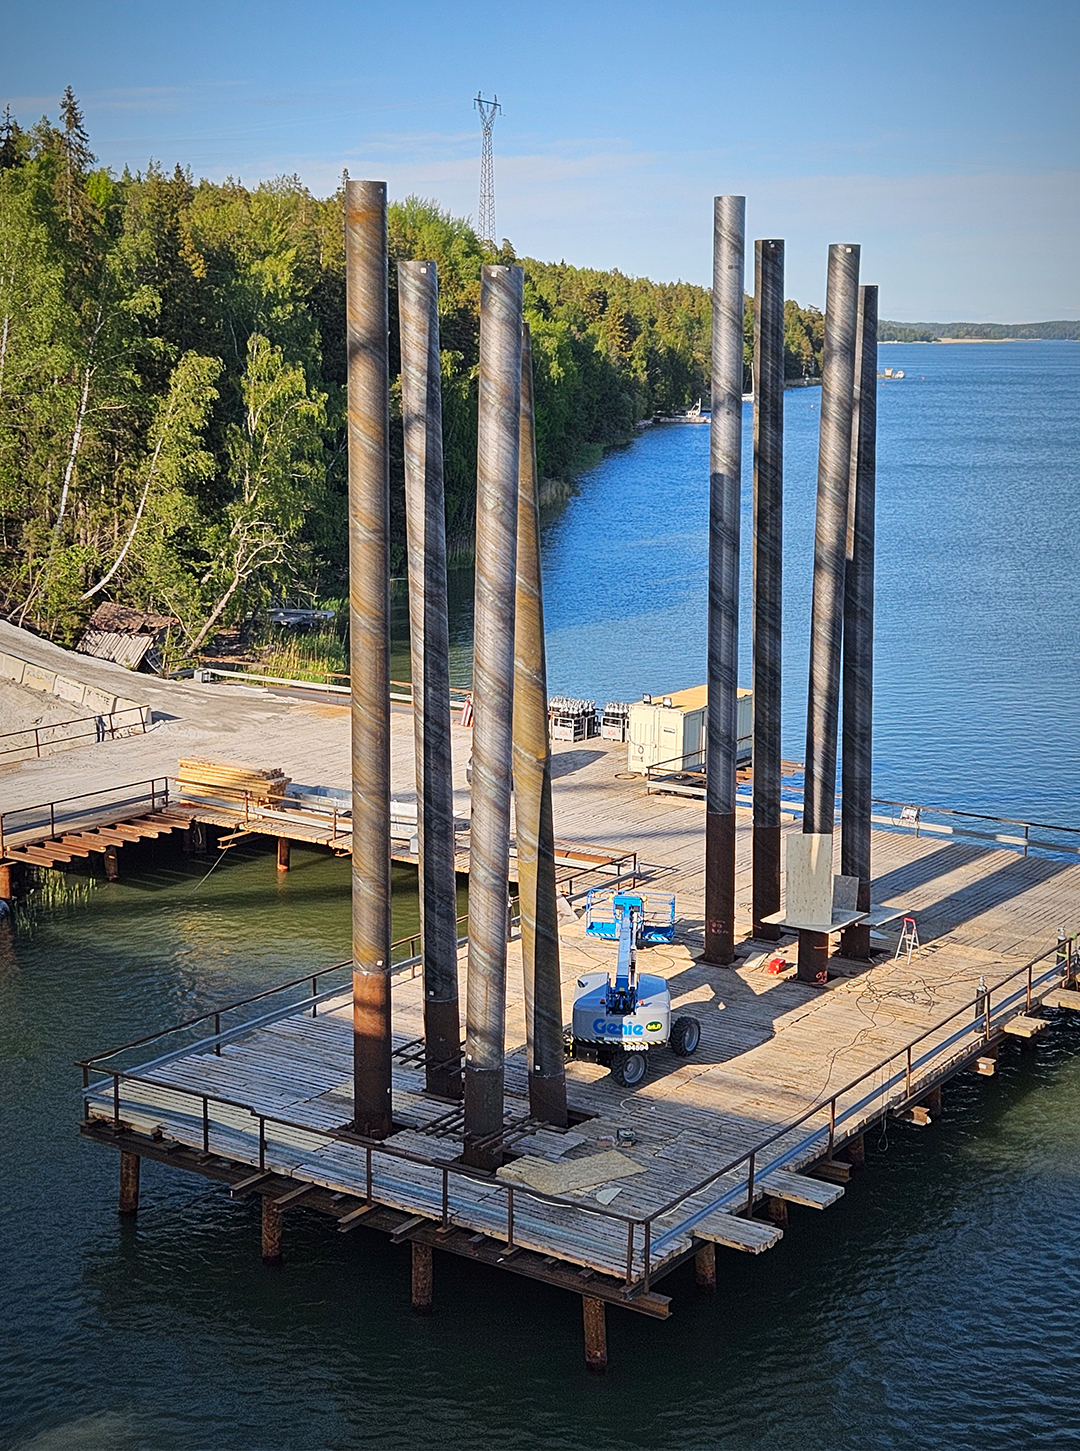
[[172, 381]]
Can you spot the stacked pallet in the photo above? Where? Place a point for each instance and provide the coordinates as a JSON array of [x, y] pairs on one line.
[[233, 780]]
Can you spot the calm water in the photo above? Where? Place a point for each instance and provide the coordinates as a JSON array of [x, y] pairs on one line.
[[932, 1309], [977, 683]]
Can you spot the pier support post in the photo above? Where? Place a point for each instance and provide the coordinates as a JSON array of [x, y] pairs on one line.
[[855, 1152], [932, 1103], [112, 863], [423, 1279], [705, 1269], [776, 1211], [129, 1184], [594, 1316], [830, 543], [501, 306], [271, 1232], [6, 886], [725, 479], [532, 791], [429, 643], [858, 719], [768, 577], [369, 648], [284, 850]]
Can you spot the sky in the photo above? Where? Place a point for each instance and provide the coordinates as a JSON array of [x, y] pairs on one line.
[[941, 136]]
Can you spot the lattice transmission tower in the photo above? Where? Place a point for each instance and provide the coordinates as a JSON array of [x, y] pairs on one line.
[[486, 217]]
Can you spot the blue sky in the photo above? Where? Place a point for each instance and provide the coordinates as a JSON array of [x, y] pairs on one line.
[[942, 136]]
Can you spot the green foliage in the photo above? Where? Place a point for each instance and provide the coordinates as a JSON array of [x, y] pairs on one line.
[[172, 381]]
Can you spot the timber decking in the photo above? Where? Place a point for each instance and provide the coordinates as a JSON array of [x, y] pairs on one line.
[[772, 1048]]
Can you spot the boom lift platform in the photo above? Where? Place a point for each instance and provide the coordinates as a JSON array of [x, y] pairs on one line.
[[616, 1023]]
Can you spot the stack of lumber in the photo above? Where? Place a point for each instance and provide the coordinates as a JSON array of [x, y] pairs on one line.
[[233, 780]]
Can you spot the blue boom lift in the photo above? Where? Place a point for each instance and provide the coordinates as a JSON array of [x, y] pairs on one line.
[[616, 1023]]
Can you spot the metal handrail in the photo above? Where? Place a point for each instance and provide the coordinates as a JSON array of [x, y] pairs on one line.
[[158, 787], [108, 716], [1065, 954]]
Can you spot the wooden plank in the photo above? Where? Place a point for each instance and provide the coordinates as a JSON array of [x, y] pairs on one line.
[[749, 1235], [1023, 1026], [798, 1189]]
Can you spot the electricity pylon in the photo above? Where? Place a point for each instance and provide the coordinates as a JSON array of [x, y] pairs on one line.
[[486, 217]]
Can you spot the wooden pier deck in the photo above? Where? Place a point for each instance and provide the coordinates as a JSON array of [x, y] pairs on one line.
[[787, 1073]]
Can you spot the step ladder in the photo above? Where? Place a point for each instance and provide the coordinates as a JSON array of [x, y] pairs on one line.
[[909, 939]]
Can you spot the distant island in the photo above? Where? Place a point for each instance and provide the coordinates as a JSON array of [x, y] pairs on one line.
[[976, 332]]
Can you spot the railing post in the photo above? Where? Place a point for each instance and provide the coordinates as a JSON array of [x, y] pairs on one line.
[[907, 1087], [37, 743], [217, 1034], [116, 1100], [986, 1028], [750, 1178], [832, 1125], [445, 1199], [369, 1173], [205, 1124], [52, 819], [1027, 829], [314, 994], [630, 1252], [262, 1144], [648, 1255], [510, 1216], [1027, 1005]]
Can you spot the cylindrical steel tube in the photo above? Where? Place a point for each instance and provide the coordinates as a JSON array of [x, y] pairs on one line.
[[768, 576], [501, 294], [421, 406], [532, 791], [725, 488], [830, 544], [857, 732], [369, 648]]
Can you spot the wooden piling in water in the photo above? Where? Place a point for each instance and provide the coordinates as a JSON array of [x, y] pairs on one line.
[[271, 1232], [423, 1280], [705, 1269], [129, 1184], [284, 846], [594, 1318]]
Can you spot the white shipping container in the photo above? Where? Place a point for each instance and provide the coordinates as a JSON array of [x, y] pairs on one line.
[[671, 730]]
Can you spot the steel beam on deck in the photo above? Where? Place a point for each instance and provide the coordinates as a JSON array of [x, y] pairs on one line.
[[725, 480], [369, 648], [532, 791], [421, 403], [830, 548], [857, 730], [768, 577], [501, 298]]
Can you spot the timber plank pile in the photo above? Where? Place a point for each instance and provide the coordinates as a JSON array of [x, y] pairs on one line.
[[232, 781]]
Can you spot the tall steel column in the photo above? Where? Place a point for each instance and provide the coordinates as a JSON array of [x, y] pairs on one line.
[[857, 730], [501, 293], [830, 547], [369, 648], [421, 403], [768, 575], [532, 791], [725, 479]]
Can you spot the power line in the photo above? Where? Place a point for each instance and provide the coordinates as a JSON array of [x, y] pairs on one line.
[[486, 216]]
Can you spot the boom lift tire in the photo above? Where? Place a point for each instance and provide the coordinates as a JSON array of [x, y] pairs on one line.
[[629, 1069], [685, 1036]]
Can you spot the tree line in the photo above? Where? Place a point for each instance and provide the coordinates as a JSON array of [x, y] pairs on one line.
[[172, 381]]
